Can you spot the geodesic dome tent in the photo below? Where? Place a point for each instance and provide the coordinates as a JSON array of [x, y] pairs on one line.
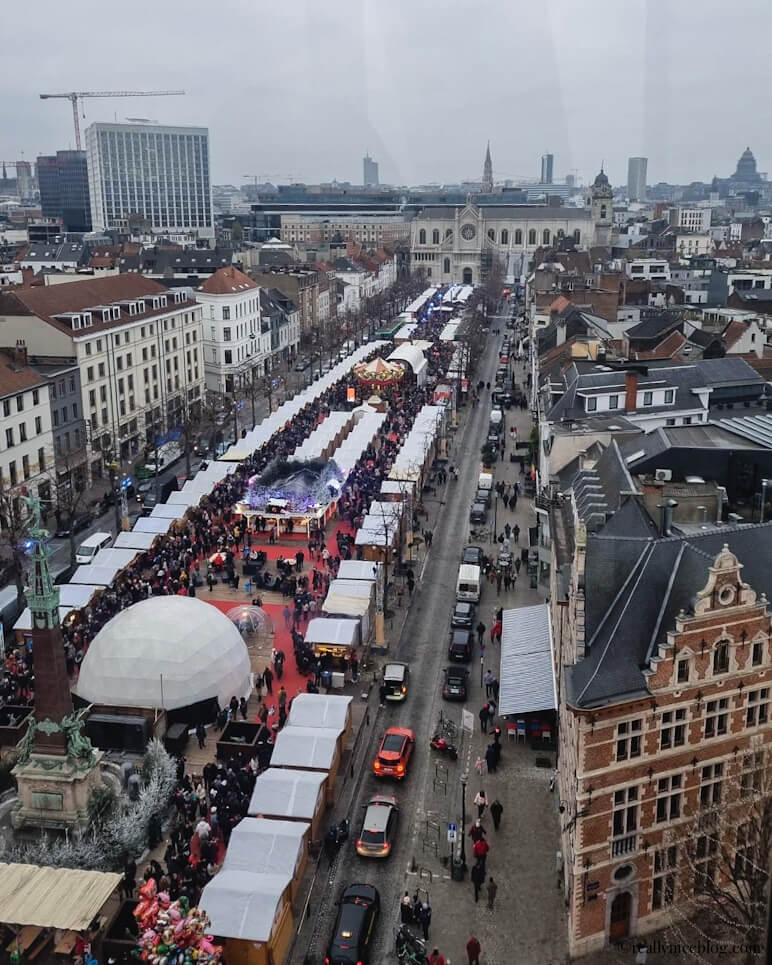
[[167, 652]]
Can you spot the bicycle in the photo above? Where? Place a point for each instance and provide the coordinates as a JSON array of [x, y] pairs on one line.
[[410, 950], [447, 728]]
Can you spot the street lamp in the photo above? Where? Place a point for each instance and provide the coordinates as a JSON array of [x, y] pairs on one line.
[[764, 484], [464, 778]]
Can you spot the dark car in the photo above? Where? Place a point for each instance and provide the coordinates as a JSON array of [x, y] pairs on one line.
[[472, 555], [483, 496], [66, 527], [455, 685], [460, 645], [396, 677], [463, 615], [352, 936], [478, 513], [149, 502], [302, 364], [144, 488]]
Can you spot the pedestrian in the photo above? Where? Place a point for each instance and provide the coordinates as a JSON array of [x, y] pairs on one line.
[[480, 632], [496, 810], [489, 678], [243, 708], [481, 801], [491, 713], [287, 617], [354, 664], [281, 698], [426, 919], [473, 950], [406, 910], [491, 758], [516, 531], [478, 880], [483, 715], [201, 735], [268, 678], [480, 851], [436, 958], [477, 831], [491, 889]]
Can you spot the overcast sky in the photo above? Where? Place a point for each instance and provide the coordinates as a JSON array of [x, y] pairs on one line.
[[302, 90]]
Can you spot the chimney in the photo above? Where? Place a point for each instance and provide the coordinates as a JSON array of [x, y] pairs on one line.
[[631, 391], [582, 454], [20, 352], [666, 517], [702, 512]]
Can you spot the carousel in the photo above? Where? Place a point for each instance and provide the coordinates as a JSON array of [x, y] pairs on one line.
[[378, 373]]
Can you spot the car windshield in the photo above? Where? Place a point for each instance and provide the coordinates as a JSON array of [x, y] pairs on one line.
[[462, 609], [371, 836], [394, 673], [393, 743]]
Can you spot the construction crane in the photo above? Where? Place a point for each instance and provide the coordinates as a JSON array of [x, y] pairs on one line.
[[74, 96]]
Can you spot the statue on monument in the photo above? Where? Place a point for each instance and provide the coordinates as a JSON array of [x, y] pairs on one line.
[[35, 527], [79, 747]]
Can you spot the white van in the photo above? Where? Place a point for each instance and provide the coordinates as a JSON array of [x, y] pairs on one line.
[[485, 481], [468, 585], [166, 455], [91, 547]]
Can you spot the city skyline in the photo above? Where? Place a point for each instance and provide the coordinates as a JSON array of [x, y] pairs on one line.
[[534, 89]]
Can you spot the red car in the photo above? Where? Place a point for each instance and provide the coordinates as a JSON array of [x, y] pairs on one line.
[[394, 753]]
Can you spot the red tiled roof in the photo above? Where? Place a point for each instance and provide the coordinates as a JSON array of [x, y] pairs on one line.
[[560, 304], [227, 281], [734, 332], [101, 261], [16, 378], [666, 349]]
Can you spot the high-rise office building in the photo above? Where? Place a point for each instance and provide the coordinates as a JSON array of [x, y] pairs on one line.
[[370, 179], [63, 183], [153, 173], [547, 161], [636, 178]]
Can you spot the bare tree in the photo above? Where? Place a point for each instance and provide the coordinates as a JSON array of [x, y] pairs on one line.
[[72, 491], [725, 853], [13, 522]]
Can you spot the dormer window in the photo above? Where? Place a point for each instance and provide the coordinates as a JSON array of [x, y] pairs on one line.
[[721, 657], [88, 320], [682, 671], [591, 404], [76, 322], [140, 306], [106, 314], [116, 313], [163, 301]]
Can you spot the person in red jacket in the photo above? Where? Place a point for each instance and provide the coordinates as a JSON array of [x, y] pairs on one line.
[[436, 958], [473, 951], [480, 852]]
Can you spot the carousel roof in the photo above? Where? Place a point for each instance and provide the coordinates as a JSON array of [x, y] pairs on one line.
[[379, 370]]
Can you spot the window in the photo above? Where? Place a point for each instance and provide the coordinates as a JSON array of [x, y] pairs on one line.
[[88, 348], [752, 773], [41, 460], [757, 710], [757, 652], [716, 717], [721, 657], [648, 398], [35, 397], [669, 422], [6, 407], [92, 398], [226, 334], [9, 438], [591, 405], [532, 236], [12, 475], [545, 236], [518, 237], [663, 885], [673, 730], [22, 432], [226, 313], [56, 417], [628, 739], [101, 370], [705, 862], [19, 403], [228, 356], [446, 266], [422, 236], [711, 780], [669, 396], [682, 671], [613, 402], [505, 237], [38, 425], [491, 234], [25, 467], [669, 797], [435, 236], [625, 819]]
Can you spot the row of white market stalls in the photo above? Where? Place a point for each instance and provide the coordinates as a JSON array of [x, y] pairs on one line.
[[413, 354], [249, 901]]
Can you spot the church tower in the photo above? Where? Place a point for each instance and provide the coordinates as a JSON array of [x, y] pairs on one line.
[[487, 178], [600, 201]]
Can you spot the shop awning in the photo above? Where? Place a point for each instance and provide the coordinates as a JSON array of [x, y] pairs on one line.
[[53, 897], [526, 674]]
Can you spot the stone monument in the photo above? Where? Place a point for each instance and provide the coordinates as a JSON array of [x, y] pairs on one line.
[[57, 769]]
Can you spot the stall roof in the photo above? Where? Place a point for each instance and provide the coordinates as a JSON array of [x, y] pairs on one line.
[[287, 794], [328, 630], [152, 524], [241, 904], [276, 845], [134, 541], [406, 332], [117, 556], [320, 710], [53, 897], [185, 498], [357, 570], [95, 574], [410, 354], [527, 671], [168, 511], [308, 747], [396, 487], [71, 596]]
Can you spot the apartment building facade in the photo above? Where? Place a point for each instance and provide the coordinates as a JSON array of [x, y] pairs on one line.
[[300, 284], [371, 230], [138, 348]]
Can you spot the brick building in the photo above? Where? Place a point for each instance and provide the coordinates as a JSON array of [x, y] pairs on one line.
[[662, 653], [301, 285]]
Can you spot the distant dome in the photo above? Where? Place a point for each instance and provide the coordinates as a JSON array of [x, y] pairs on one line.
[[601, 181], [177, 646]]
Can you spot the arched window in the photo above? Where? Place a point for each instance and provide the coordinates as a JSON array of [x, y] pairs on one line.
[[436, 236], [422, 236], [491, 234], [467, 276], [561, 234], [603, 211], [448, 233], [518, 237], [545, 236], [505, 237], [446, 266], [532, 236], [577, 235]]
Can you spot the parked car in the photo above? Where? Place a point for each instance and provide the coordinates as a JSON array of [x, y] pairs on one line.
[[460, 645], [379, 827], [66, 526], [352, 935], [396, 677], [483, 496], [472, 555], [463, 615], [302, 364], [144, 488], [478, 513], [395, 750], [456, 683]]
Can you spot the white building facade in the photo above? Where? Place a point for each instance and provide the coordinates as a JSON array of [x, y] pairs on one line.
[[156, 173], [237, 345]]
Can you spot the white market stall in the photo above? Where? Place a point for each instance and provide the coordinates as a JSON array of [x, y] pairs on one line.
[[135, 541], [415, 359], [152, 524], [332, 637], [526, 672], [321, 710], [290, 796], [310, 749], [352, 598], [276, 847]]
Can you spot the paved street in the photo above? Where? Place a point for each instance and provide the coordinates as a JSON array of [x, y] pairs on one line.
[[522, 858]]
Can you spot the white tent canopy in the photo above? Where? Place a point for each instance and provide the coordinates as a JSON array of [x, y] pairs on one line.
[[281, 793], [526, 674], [313, 748], [243, 905], [134, 541], [148, 524], [53, 897], [333, 632], [276, 847], [71, 596], [357, 570], [320, 710], [165, 652], [168, 511], [414, 358]]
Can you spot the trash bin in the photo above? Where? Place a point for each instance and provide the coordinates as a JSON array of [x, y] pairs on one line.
[[534, 581], [457, 870]]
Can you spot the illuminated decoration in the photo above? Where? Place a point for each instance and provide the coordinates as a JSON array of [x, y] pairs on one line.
[[295, 488], [379, 373]]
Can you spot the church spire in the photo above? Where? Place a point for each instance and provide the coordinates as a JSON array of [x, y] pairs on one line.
[[487, 178]]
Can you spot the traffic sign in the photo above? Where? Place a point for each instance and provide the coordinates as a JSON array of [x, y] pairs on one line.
[[451, 835]]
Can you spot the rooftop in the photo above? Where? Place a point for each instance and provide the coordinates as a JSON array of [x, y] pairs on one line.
[[227, 281]]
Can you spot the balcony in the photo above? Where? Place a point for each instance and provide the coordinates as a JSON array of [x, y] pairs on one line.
[[625, 844]]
